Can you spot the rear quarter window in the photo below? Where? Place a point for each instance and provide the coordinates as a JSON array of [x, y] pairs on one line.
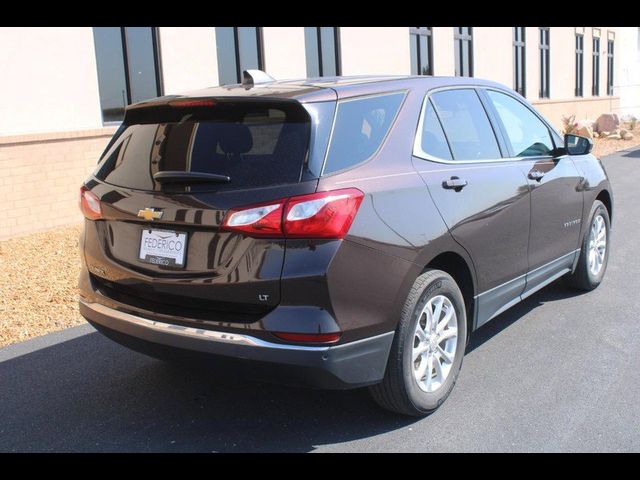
[[360, 127]]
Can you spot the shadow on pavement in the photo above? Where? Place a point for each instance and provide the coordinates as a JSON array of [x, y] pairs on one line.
[[90, 394], [632, 153]]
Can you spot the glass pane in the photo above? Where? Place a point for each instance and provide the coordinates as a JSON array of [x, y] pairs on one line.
[[424, 55], [465, 59], [413, 48], [142, 63], [256, 144], [327, 41], [466, 125], [226, 52], [527, 134], [111, 79], [360, 127], [433, 140], [311, 49], [248, 47]]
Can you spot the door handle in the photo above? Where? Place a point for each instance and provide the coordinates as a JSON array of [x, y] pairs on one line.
[[454, 183], [536, 175]]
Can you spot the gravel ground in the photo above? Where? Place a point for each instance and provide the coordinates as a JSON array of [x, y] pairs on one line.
[[40, 273], [38, 284]]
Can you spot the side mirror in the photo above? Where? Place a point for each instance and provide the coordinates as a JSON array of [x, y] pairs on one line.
[[577, 145]]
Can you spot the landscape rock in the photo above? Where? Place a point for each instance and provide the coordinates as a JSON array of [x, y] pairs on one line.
[[584, 131], [614, 136], [607, 122], [627, 136]]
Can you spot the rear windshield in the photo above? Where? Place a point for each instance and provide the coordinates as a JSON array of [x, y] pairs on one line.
[[255, 144]]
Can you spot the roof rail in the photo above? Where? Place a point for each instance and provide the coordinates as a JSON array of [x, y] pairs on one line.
[[253, 77]]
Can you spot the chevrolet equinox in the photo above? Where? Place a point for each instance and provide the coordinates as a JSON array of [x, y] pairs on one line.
[[335, 232]]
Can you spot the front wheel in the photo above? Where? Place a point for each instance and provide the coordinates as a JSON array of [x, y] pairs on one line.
[[594, 252], [427, 350]]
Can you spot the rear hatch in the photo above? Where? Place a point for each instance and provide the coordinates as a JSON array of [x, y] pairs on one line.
[[165, 183]]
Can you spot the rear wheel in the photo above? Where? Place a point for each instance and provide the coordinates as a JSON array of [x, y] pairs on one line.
[[427, 349], [594, 252]]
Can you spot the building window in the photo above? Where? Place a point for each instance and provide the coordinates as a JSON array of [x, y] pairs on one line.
[[238, 49], [609, 67], [322, 46], [421, 50], [519, 60], [128, 63], [595, 70], [579, 64], [463, 39], [545, 51]]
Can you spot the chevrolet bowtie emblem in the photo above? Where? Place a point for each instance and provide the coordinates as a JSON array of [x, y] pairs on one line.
[[149, 214]]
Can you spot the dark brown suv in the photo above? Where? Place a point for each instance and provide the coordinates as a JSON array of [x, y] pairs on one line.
[[335, 232]]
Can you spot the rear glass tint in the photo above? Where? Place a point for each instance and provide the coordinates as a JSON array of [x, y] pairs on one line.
[[360, 127], [466, 125], [256, 144], [433, 140]]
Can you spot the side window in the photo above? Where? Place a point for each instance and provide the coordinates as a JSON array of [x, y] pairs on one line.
[[433, 141], [360, 127], [466, 125], [527, 134]]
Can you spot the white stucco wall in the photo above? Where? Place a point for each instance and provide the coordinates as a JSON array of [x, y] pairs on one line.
[[284, 52], [626, 79], [493, 54], [48, 80], [375, 50], [188, 58], [443, 52]]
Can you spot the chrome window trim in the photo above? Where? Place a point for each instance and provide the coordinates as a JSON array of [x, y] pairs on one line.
[[417, 143]]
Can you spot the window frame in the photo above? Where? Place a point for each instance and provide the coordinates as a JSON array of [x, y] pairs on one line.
[[236, 52], [461, 38], [337, 54], [157, 62], [520, 47], [579, 72], [610, 65], [403, 91], [595, 67], [545, 60], [496, 125], [426, 32]]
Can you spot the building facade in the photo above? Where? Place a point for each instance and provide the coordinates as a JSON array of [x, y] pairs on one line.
[[63, 90]]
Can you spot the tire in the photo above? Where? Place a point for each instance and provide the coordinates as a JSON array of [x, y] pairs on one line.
[[400, 391], [584, 277]]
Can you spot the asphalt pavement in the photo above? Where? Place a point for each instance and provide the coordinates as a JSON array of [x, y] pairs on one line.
[[558, 372]]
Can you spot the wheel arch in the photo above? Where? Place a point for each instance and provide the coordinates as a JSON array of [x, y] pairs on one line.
[[461, 269], [605, 197]]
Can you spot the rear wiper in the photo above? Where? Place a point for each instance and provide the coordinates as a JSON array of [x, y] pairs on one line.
[[189, 178]]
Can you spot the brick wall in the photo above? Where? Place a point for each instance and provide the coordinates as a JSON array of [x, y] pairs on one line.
[[40, 176]]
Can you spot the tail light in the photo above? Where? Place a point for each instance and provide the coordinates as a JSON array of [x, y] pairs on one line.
[[319, 215], [90, 204], [309, 337]]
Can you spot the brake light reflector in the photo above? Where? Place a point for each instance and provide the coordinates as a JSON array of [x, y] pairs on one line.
[[322, 215], [90, 204], [309, 337], [258, 221], [318, 215]]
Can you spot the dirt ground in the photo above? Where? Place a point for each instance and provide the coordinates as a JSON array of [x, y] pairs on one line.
[[603, 146], [39, 274]]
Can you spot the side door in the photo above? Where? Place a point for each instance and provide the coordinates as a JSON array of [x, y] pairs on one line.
[[556, 189], [483, 199]]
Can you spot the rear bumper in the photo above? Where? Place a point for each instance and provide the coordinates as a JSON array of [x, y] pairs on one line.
[[348, 365]]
